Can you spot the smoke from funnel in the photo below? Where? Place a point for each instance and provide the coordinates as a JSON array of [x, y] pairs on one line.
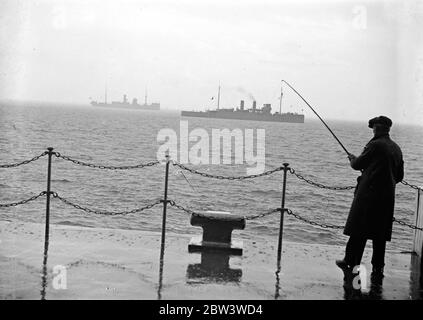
[[249, 94]]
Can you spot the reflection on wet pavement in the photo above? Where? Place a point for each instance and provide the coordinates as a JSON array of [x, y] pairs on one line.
[[214, 268]]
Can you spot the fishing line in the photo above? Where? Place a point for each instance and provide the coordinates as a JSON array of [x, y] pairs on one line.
[[333, 134], [186, 179]]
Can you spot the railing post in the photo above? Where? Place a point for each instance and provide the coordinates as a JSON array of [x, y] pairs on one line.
[[417, 258], [47, 231], [165, 199], [162, 247], [285, 170]]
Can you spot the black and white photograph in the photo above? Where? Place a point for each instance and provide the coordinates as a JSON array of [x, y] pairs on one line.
[[212, 157]]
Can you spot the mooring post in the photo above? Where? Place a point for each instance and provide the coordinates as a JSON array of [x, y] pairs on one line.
[[47, 230], [162, 247], [285, 170], [217, 232]]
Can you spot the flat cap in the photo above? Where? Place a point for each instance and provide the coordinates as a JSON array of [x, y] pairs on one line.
[[382, 120]]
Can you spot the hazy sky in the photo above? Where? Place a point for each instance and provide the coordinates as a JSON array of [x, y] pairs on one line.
[[351, 60]]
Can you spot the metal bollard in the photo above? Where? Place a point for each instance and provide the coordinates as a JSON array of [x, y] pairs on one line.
[[217, 232]]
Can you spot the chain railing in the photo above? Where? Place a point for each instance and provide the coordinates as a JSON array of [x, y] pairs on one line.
[[289, 212], [316, 184], [285, 168], [186, 210], [331, 226], [199, 214], [262, 215], [15, 204], [313, 223], [104, 212], [403, 223], [191, 170], [266, 173], [98, 166], [413, 186], [214, 176], [14, 165], [182, 208]]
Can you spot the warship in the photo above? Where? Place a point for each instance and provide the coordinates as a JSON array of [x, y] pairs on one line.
[[241, 113], [125, 104]]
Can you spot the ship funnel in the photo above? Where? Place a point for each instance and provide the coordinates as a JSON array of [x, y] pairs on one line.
[[254, 105], [242, 105]]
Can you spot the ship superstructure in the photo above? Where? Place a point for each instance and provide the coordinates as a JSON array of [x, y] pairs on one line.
[[126, 104], [254, 113]]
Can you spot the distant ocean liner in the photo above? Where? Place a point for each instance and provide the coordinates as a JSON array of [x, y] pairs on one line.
[[126, 105], [263, 114]]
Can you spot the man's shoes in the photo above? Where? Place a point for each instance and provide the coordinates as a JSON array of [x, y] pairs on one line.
[[377, 271], [343, 265]]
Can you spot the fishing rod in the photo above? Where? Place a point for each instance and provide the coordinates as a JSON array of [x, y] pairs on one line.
[[333, 134]]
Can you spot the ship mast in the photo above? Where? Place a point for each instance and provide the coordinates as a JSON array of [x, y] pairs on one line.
[[280, 102], [145, 101], [105, 94], [218, 98]]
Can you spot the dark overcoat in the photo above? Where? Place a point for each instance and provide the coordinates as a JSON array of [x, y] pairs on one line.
[[372, 209]]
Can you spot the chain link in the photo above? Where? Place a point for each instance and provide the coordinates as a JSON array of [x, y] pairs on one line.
[[14, 165], [207, 175], [14, 204], [193, 213], [97, 166], [411, 185], [316, 184], [186, 210], [313, 223], [110, 213], [261, 215], [407, 224], [324, 225]]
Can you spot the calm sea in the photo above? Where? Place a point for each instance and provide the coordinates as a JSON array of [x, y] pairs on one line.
[[127, 137]]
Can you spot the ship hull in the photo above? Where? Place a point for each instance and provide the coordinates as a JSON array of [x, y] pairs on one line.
[[284, 117], [153, 106]]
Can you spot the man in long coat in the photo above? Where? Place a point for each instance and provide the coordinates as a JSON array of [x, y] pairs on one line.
[[372, 209]]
